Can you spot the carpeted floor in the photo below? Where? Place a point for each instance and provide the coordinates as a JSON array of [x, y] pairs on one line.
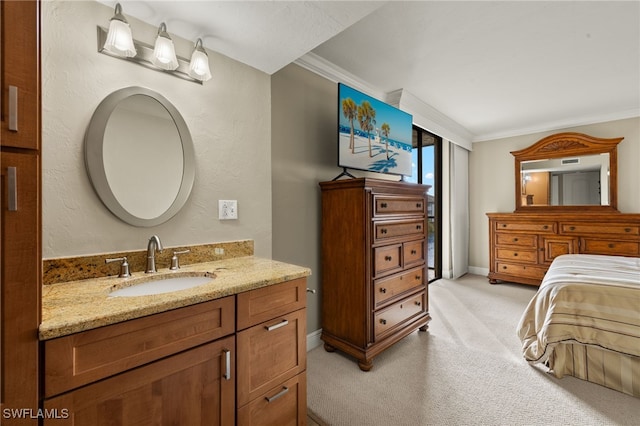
[[466, 370]]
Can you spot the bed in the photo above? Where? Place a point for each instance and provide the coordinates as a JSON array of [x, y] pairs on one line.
[[584, 321]]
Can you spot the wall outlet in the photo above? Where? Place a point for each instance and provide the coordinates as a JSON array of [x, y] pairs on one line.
[[227, 209]]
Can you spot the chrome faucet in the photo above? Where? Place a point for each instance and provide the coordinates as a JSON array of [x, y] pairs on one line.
[[153, 245]]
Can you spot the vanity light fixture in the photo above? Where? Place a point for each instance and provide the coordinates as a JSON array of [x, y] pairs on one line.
[[164, 54], [199, 65], [119, 40]]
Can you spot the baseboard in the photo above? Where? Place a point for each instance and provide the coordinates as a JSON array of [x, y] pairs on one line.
[[476, 270], [313, 339]]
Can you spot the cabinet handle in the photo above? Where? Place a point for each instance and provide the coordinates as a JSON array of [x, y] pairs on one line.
[[388, 258], [545, 227], [383, 290], [383, 205], [515, 240], [276, 326], [418, 303], [383, 230], [413, 252], [13, 108], [278, 395], [627, 229], [611, 245], [418, 278], [572, 228], [515, 254], [13, 188], [227, 364], [418, 227], [383, 321], [418, 205]]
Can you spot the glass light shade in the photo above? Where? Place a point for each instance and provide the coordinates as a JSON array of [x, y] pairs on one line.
[[164, 54], [199, 65], [119, 39]]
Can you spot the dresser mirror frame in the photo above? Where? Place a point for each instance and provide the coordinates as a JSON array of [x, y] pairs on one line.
[[567, 146]]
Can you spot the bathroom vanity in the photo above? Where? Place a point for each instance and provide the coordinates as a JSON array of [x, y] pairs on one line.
[[232, 351]]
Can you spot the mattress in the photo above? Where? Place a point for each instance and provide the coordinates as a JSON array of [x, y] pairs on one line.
[[584, 321]]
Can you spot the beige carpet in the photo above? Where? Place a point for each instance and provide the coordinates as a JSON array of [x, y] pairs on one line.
[[466, 370]]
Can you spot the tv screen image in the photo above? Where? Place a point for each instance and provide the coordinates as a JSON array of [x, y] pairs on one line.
[[373, 135]]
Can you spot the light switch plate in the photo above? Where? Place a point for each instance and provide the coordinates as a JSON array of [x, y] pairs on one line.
[[227, 209]]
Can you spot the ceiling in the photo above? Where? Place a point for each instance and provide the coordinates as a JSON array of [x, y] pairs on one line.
[[495, 68]]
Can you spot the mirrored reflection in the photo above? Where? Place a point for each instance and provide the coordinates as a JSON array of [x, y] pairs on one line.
[[568, 181]]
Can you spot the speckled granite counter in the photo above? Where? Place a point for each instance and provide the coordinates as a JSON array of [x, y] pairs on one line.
[[82, 305]]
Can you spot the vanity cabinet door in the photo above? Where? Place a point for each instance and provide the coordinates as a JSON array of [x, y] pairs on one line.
[[195, 387]]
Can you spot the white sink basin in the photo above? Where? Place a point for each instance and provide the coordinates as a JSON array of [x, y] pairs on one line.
[[161, 285]]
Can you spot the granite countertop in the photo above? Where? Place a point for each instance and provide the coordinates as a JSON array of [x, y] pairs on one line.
[[75, 306]]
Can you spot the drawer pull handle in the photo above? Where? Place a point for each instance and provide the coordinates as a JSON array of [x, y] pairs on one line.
[[504, 225], [545, 227], [418, 205], [227, 364], [515, 254], [413, 252], [627, 229], [388, 258], [383, 230], [418, 278], [383, 290], [383, 205], [276, 326], [572, 228], [278, 395], [418, 303], [383, 321], [418, 227], [515, 240], [13, 109], [611, 245], [504, 267], [12, 181]]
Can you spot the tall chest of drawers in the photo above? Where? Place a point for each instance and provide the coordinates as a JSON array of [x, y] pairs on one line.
[[522, 246], [374, 280]]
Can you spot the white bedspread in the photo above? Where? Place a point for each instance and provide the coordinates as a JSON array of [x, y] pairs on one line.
[[586, 299]]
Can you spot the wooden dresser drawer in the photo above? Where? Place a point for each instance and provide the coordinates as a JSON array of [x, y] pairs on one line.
[[413, 253], [387, 319], [265, 303], [529, 256], [518, 270], [526, 226], [389, 205], [270, 353], [612, 247], [88, 356], [388, 288], [387, 259], [520, 240], [285, 404], [599, 229], [398, 229]]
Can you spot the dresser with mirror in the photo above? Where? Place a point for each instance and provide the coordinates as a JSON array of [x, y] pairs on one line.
[[566, 202]]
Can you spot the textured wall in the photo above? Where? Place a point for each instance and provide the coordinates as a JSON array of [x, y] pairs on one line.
[[229, 119], [491, 175]]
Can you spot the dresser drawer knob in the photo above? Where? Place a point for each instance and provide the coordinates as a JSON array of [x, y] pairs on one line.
[[627, 229], [383, 230], [383, 290], [504, 225], [388, 258], [572, 228], [515, 240], [418, 303], [383, 205], [419, 205], [611, 245], [515, 254], [418, 277], [418, 227], [413, 252], [545, 227], [504, 267], [383, 321]]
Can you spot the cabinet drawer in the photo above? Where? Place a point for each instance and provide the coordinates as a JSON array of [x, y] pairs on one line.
[[270, 353], [265, 303], [599, 229], [387, 259], [529, 256], [81, 358], [413, 253], [285, 404], [388, 288], [519, 240], [526, 226], [614, 247], [388, 229], [524, 271], [387, 205], [388, 318]]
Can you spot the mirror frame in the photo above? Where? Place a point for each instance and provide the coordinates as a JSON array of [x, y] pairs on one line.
[[94, 161], [569, 144]]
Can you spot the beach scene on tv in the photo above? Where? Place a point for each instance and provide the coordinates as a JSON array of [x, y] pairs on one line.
[[373, 135]]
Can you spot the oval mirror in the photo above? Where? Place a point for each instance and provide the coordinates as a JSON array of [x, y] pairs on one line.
[[139, 156]]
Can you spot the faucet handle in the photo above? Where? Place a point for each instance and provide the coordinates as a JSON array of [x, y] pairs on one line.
[[175, 264], [124, 267]]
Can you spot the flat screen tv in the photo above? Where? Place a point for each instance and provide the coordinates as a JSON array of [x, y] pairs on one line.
[[373, 135]]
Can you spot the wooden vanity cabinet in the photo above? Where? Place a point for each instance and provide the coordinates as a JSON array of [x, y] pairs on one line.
[[522, 245], [175, 367], [271, 355], [374, 289]]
